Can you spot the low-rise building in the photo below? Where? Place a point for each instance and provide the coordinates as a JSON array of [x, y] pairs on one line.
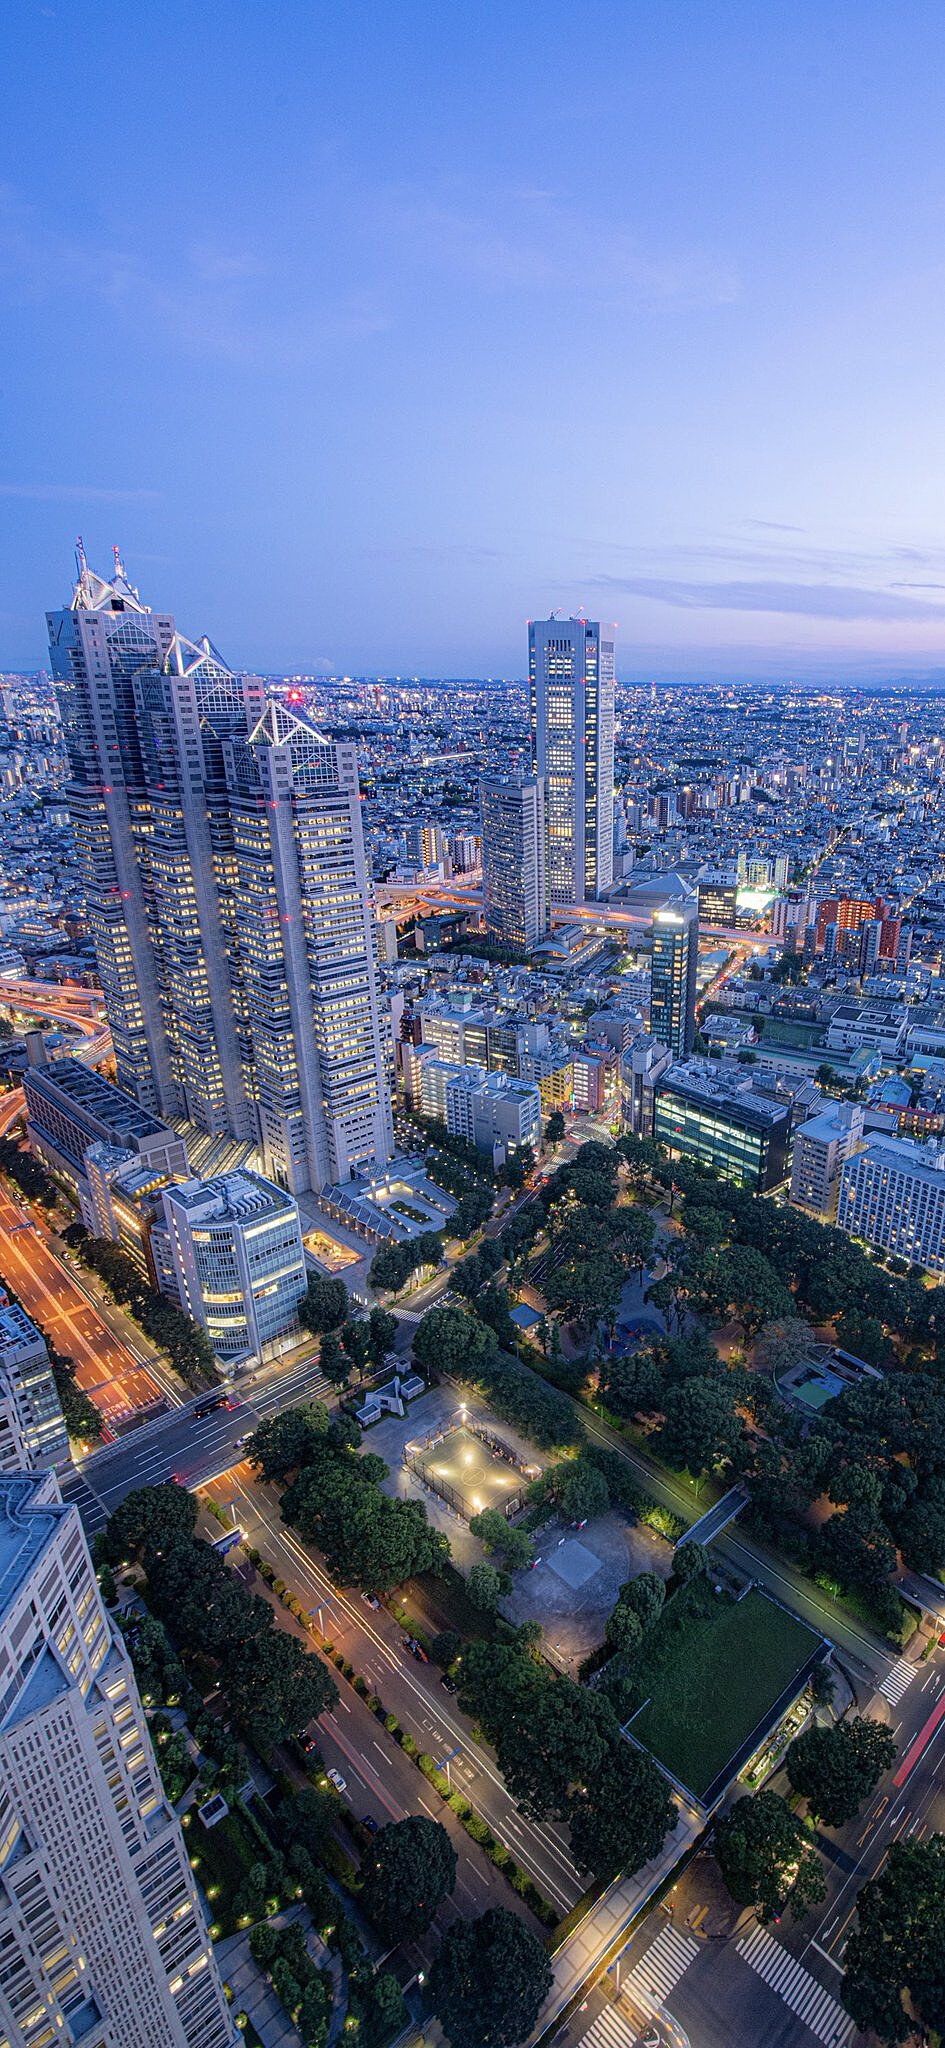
[[493, 1109], [643, 1066]]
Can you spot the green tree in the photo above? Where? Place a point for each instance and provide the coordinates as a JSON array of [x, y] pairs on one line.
[[451, 1340], [324, 1305], [624, 1629], [514, 1546], [837, 1768], [488, 1981], [408, 1871], [382, 1332], [631, 1383], [645, 1595], [285, 1442], [701, 1428], [356, 1343], [765, 1857], [149, 1520], [619, 1817], [485, 1587], [744, 1283], [583, 1491], [334, 1362], [690, 1560], [554, 1128], [896, 1949]]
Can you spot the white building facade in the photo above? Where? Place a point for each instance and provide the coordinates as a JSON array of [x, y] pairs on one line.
[[230, 1252], [892, 1195], [103, 1942], [33, 1434]]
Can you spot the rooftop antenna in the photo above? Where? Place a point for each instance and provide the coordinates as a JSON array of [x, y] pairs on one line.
[[119, 565], [82, 565]]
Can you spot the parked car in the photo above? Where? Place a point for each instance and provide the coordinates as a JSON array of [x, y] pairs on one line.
[[368, 1821], [371, 1600], [448, 1683], [335, 1778]]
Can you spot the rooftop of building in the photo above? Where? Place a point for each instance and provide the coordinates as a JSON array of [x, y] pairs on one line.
[[29, 1519], [229, 1197], [731, 1091], [904, 1155], [89, 1091], [16, 1329]]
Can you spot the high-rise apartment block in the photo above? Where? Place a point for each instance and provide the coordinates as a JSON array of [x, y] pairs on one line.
[[515, 894], [230, 1252], [673, 982], [571, 690], [32, 1431], [102, 1936], [228, 892], [892, 1195]]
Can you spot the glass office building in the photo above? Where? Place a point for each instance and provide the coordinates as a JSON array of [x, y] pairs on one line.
[[725, 1125], [673, 983]]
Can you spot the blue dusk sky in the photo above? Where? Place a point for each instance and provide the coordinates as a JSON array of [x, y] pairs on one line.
[[368, 330]]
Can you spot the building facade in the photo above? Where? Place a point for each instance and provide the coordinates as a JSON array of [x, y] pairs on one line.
[[725, 1125], [571, 697], [33, 1435], [892, 1196], [102, 1935], [514, 884], [222, 851], [673, 984], [822, 1146], [230, 1252]]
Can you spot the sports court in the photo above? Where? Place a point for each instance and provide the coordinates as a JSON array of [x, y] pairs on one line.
[[469, 1472]]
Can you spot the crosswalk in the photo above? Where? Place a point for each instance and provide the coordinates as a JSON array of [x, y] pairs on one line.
[[651, 1982], [822, 2013], [611, 2029], [896, 1681]]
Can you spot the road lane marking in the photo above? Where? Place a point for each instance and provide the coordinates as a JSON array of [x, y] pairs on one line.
[[897, 1681], [805, 1995], [657, 1973]]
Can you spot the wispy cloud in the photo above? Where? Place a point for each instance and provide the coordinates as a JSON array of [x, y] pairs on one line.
[[809, 600], [516, 238], [89, 494]]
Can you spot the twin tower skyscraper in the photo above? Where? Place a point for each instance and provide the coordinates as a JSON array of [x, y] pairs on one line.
[[221, 846]]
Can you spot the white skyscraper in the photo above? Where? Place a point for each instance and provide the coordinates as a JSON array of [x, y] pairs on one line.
[[103, 1942], [228, 890], [571, 686]]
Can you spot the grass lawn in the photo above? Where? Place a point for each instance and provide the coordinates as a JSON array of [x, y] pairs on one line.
[[709, 1673], [222, 1859]]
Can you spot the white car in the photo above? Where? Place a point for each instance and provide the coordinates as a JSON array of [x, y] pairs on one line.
[[335, 1778]]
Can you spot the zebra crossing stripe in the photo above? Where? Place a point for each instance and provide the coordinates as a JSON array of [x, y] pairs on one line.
[[660, 1969], [611, 2029], [897, 1680], [805, 1995]]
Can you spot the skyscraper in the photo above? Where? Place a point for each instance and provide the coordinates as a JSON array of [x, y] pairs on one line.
[[515, 897], [571, 690], [102, 1935], [222, 850], [673, 986]]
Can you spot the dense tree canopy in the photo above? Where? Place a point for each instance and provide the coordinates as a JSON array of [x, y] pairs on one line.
[[897, 1948], [408, 1871], [765, 1857], [324, 1304], [837, 1768], [488, 1981]]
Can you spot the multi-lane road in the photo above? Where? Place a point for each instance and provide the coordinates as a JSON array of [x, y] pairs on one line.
[[114, 1378]]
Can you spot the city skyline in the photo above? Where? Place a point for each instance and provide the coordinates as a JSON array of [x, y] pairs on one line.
[[362, 413]]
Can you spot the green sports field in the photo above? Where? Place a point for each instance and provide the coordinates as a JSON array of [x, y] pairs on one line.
[[709, 1673]]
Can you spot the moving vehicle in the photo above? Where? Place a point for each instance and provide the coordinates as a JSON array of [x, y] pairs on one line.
[[212, 1402]]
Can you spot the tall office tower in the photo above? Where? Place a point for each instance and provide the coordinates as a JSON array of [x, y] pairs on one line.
[[515, 896], [223, 856], [571, 688], [101, 1931], [304, 931], [673, 985], [32, 1431]]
